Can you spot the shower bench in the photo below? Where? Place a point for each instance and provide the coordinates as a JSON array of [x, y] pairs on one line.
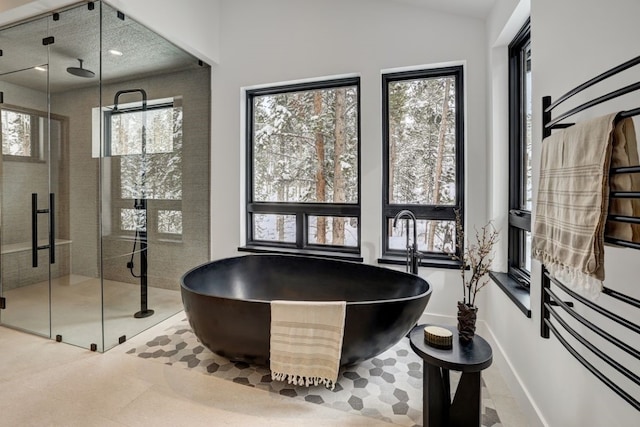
[[16, 264]]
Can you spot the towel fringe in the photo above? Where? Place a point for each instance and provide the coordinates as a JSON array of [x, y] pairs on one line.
[[575, 279], [303, 381]]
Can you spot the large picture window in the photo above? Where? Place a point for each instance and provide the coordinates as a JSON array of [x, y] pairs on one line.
[[520, 148], [303, 164], [423, 159]]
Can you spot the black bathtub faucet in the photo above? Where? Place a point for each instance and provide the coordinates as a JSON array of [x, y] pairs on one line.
[[413, 256]]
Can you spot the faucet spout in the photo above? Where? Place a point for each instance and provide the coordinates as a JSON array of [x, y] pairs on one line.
[[412, 250]]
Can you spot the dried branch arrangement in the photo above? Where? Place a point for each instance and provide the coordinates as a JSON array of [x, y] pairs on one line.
[[475, 259]]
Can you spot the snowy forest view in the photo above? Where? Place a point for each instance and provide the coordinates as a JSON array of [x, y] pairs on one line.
[[16, 133], [149, 144], [422, 156], [305, 150]]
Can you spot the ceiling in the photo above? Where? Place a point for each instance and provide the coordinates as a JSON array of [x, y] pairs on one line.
[[77, 36], [472, 8]]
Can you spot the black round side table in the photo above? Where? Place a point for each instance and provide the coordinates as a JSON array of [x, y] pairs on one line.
[[470, 358]]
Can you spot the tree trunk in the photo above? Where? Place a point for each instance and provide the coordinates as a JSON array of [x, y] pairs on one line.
[[393, 138], [338, 177], [397, 108], [321, 230], [438, 171], [392, 163], [281, 198]]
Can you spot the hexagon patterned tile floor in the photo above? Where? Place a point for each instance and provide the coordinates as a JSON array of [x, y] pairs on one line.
[[387, 387]]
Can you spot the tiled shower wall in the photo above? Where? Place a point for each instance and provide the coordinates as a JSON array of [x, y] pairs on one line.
[[169, 258]]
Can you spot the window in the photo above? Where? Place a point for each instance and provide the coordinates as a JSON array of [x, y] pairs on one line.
[[520, 179], [423, 159], [303, 166], [21, 133], [147, 144]]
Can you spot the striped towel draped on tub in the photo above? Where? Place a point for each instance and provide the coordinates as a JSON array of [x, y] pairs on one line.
[[573, 199], [306, 341]]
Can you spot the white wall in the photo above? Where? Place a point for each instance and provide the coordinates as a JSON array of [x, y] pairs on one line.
[[286, 40], [572, 41]]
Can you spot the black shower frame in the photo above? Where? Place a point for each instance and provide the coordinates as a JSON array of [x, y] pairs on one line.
[[549, 299]]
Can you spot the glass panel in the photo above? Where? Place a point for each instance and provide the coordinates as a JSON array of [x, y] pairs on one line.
[[154, 172], [26, 288], [133, 220], [16, 133], [149, 175], [526, 203], [170, 222], [274, 228], [61, 112], [333, 230], [76, 312], [305, 146], [160, 125], [432, 236], [422, 141], [526, 262]]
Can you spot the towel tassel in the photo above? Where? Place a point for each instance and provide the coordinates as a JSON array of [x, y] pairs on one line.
[[300, 380]]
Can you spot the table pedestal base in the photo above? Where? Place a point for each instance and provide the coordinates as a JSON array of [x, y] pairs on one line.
[[439, 410]]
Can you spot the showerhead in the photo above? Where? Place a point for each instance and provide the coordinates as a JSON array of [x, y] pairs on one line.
[[80, 71]]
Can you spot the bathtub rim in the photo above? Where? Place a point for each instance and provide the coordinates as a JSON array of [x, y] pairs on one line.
[[378, 301]]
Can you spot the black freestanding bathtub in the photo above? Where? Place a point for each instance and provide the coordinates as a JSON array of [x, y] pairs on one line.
[[227, 302]]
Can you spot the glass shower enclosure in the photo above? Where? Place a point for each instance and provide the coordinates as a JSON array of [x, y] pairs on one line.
[[104, 175]]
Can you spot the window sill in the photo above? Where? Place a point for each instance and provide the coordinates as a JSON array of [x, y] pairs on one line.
[[150, 241], [516, 293], [430, 263], [23, 159], [307, 252]]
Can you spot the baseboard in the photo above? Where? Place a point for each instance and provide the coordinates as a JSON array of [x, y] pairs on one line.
[[513, 380]]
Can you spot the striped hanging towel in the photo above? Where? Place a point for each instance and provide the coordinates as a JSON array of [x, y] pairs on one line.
[[625, 153], [306, 341], [573, 200]]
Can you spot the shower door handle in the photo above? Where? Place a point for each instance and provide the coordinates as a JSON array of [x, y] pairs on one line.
[[34, 229], [52, 228]]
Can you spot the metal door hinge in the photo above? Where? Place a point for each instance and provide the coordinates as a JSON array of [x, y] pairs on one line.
[[48, 40], [3, 303]]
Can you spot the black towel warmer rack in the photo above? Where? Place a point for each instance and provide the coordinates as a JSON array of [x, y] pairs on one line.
[[551, 302]]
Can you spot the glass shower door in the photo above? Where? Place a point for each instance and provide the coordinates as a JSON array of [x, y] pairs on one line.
[[27, 223], [107, 123], [155, 168], [74, 87]]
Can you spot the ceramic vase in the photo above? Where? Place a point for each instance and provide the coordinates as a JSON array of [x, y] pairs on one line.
[[467, 316]]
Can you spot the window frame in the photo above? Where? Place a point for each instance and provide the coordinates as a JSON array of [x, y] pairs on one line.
[[519, 219], [36, 146], [302, 211], [118, 202], [423, 212]]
